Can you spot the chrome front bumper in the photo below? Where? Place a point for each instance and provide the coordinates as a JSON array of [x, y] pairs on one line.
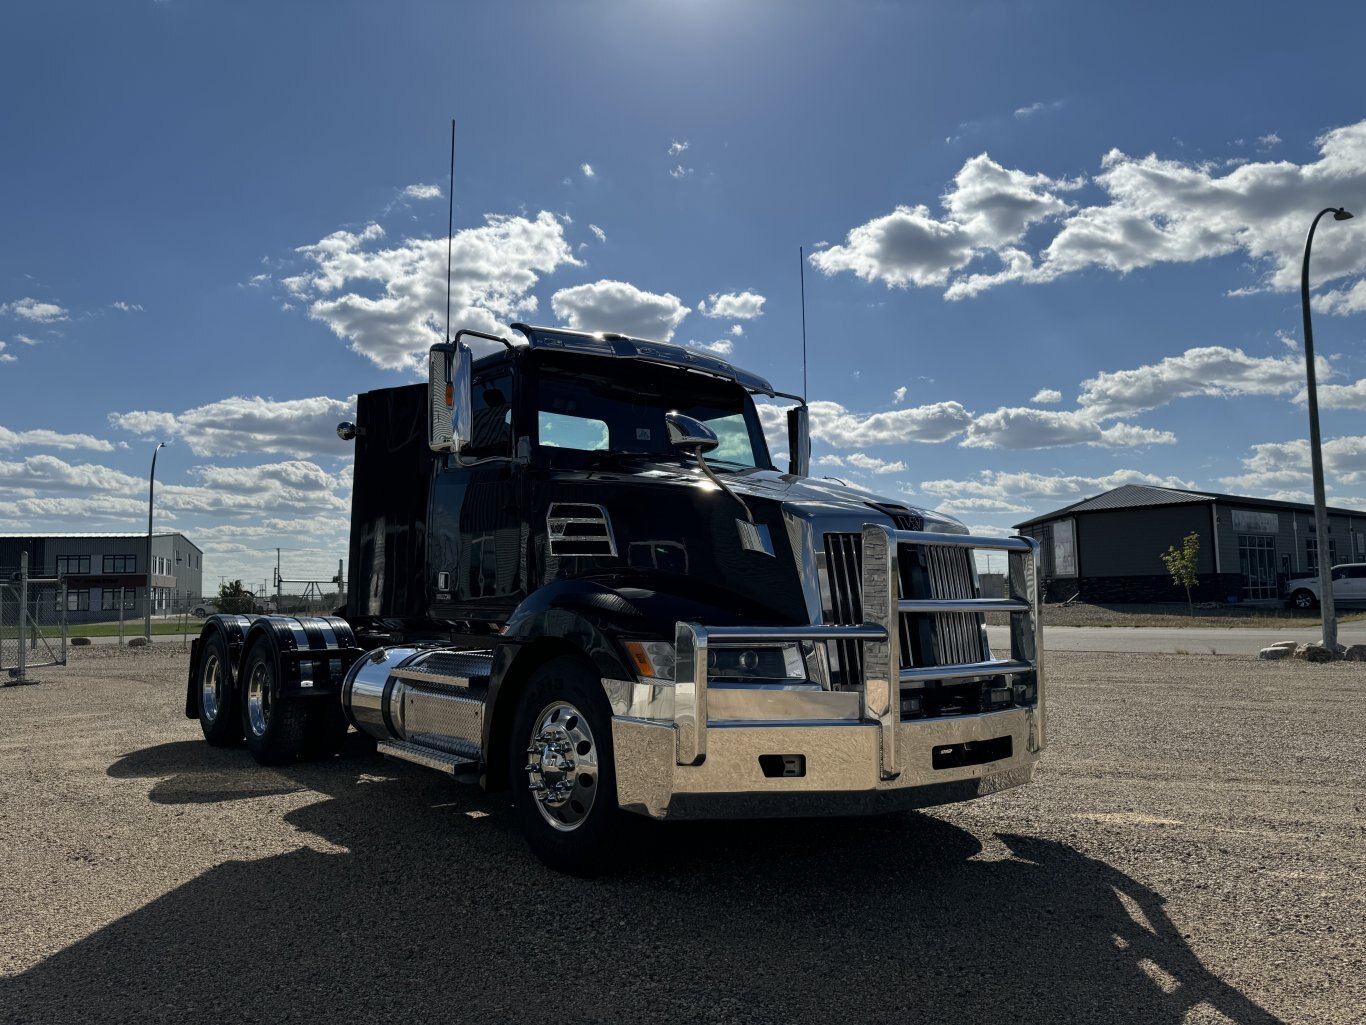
[[686, 750]]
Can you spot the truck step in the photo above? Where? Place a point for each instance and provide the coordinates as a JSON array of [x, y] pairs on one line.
[[432, 758]]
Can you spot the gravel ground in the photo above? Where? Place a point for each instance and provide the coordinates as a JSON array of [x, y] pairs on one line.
[[1192, 852]]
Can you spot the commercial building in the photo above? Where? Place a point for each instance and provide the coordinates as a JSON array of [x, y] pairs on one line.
[[106, 574], [1109, 548]]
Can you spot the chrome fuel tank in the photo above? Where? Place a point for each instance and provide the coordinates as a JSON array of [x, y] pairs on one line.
[[433, 697]]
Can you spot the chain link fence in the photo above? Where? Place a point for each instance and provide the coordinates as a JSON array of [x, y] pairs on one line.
[[33, 627]]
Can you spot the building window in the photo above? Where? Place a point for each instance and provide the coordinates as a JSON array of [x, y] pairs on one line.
[[78, 601], [120, 563], [69, 565], [1257, 564], [1311, 553], [109, 598]]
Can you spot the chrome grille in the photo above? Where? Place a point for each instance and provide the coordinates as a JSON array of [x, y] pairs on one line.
[[926, 572], [843, 580]]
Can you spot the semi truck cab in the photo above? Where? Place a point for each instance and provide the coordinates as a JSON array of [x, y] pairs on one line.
[[577, 574]]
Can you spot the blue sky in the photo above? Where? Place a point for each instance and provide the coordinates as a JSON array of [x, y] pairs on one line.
[[1052, 247]]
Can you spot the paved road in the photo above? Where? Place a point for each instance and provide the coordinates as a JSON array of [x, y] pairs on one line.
[[1175, 640], [1191, 853]]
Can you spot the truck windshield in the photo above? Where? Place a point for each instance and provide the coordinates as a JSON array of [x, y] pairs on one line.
[[590, 411]]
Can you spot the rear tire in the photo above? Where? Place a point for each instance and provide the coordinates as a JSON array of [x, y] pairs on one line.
[[217, 694], [561, 768], [274, 725], [1303, 599]]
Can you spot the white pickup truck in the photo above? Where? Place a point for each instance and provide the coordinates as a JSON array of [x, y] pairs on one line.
[[1349, 587]]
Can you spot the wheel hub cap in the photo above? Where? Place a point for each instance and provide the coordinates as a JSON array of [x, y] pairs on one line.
[[210, 687], [562, 768], [258, 700]]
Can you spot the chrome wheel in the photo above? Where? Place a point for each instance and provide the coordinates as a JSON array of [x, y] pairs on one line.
[[258, 698], [211, 687], [562, 770]]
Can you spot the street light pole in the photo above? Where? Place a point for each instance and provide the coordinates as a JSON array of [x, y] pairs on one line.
[[1322, 545], [151, 487]]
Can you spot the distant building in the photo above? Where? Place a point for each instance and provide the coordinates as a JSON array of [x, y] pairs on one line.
[[1109, 548], [106, 571]]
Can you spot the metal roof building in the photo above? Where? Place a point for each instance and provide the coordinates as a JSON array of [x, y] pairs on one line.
[[1109, 548], [106, 573]]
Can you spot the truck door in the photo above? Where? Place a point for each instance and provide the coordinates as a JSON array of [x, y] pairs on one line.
[[477, 521]]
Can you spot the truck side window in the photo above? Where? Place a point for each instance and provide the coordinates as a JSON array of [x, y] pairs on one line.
[[491, 418]]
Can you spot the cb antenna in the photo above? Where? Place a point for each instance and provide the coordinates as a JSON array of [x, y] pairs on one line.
[[450, 232], [801, 266]]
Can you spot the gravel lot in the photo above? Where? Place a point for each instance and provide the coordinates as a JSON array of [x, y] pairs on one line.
[[1193, 852]]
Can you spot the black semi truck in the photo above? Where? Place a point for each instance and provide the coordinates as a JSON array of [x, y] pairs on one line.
[[577, 575]]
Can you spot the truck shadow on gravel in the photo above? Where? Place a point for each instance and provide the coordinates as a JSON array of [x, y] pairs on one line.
[[410, 898]]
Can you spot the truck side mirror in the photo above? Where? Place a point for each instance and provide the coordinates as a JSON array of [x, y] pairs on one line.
[[799, 441], [688, 434], [448, 394]]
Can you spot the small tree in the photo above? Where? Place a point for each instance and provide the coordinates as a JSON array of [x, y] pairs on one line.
[[1181, 565], [233, 597]]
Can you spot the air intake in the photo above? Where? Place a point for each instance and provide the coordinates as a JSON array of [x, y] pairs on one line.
[[584, 530]]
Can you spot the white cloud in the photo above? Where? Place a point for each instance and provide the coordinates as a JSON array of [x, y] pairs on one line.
[[34, 310], [679, 171], [723, 347], [1149, 210], [980, 507], [899, 395], [1351, 299], [1342, 396], [1269, 139], [587, 170], [421, 191], [733, 306], [1036, 108], [398, 306], [1285, 467], [1025, 428], [4, 356], [1213, 370], [1053, 489], [621, 307], [989, 208], [598, 233], [126, 307], [737, 330], [49, 439], [677, 147], [1047, 395], [874, 465], [836, 426], [250, 424]]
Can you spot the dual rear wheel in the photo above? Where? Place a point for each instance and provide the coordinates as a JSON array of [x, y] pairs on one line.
[[278, 727]]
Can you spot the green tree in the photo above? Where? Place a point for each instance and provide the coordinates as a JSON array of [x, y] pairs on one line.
[[1181, 565], [233, 597]]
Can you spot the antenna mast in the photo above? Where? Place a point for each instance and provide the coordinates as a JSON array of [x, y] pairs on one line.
[[801, 266], [450, 233]]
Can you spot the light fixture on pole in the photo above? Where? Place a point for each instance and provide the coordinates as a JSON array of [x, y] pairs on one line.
[[151, 488], [1322, 544]]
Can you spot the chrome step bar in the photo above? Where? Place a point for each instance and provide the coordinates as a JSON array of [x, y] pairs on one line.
[[428, 757]]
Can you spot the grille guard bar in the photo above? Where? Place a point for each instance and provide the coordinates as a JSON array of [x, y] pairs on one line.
[[881, 637]]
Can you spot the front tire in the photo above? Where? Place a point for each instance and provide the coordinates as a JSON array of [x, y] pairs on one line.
[[561, 767], [275, 726], [1303, 599], [217, 694]]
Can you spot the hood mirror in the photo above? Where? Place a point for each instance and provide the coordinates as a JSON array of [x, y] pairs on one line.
[[690, 435]]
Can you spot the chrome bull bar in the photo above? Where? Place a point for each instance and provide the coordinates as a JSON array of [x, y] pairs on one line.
[[880, 634]]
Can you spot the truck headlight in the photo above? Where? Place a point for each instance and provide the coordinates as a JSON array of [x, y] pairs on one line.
[[654, 660], [757, 663]]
